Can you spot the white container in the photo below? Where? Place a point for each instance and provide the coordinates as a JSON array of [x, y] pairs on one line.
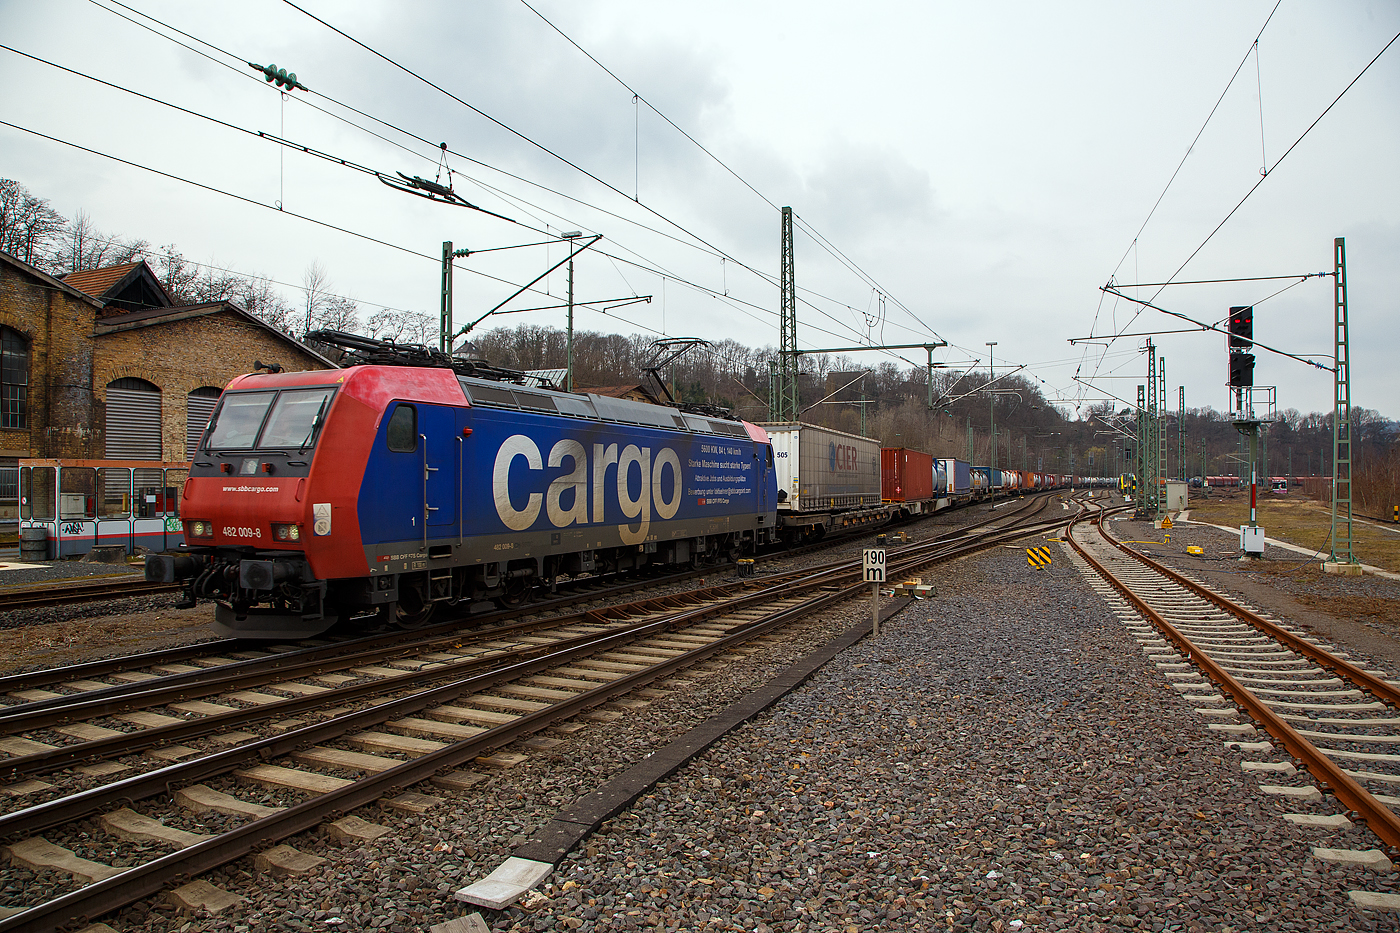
[[822, 470]]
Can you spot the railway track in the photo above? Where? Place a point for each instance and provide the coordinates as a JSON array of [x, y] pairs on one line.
[[72, 593], [344, 725], [1334, 721], [35, 688]]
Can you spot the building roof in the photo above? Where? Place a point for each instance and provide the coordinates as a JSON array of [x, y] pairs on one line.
[[129, 286], [150, 317], [47, 280], [97, 282]]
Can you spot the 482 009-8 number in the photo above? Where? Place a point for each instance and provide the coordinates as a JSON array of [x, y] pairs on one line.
[[231, 531]]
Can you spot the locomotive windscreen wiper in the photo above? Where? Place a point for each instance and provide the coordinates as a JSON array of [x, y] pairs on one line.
[[315, 423]]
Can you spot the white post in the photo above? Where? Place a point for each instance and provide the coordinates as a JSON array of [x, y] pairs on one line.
[[875, 609]]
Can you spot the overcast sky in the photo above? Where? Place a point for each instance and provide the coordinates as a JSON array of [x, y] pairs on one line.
[[986, 166]]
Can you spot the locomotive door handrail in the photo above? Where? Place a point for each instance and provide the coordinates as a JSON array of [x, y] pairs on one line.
[[461, 497], [427, 509]]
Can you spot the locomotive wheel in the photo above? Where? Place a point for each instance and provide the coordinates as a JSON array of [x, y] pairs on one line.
[[517, 592], [414, 611]]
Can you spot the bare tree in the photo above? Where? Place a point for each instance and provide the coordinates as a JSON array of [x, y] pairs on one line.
[[179, 277], [314, 285], [385, 324], [419, 327], [29, 227], [257, 296], [82, 246], [337, 313]]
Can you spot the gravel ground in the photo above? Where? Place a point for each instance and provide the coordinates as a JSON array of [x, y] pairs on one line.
[[1002, 758], [16, 574], [404, 881]]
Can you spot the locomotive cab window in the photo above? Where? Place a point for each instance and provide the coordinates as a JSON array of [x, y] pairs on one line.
[[238, 419], [403, 429], [296, 418], [290, 418]]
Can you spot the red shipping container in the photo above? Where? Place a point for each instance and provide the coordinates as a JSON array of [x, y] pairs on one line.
[[905, 475]]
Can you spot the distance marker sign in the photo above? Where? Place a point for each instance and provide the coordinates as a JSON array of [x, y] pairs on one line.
[[873, 561]]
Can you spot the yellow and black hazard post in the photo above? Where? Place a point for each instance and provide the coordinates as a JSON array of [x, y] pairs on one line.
[[1038, 557]]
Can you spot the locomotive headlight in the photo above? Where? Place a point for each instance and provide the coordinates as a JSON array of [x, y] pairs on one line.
[[200, 529], [290, 532]]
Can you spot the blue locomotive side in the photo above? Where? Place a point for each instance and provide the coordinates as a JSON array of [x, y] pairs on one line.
[[528, 484]]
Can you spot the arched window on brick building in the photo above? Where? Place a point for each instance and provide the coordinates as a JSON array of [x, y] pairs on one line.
[[133, 420], [14, 379], [199, 409]]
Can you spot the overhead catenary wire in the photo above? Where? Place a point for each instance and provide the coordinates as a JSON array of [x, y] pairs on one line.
[[1197, 138], [252, 277], [821, 240], [213, 189], [509, 129], [1264, 175], [537, 145], [710, 248], [326, 224], [265, 136], [1270, 169], [1133, 244], [644, 265]]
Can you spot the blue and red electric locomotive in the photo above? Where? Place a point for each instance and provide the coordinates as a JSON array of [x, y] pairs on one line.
[[323, 495]]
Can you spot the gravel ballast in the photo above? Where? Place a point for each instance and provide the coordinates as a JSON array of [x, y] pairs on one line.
[[1002, 758]]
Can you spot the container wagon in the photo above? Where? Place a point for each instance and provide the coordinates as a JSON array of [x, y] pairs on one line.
[[828, 480], [982, 485], [957, 474]]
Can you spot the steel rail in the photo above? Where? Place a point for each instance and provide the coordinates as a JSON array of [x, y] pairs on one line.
[[40, 816], [17, 600], [126, 743], [1379, 818], [306, 662], [135, 883], [149, 878], [130, 742], [287, 663], [87, 669], [1380, 689]]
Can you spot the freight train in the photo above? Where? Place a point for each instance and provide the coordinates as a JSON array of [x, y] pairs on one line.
[[411, 479]]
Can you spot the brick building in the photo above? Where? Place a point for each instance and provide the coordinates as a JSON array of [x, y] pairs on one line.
[[103, 365]]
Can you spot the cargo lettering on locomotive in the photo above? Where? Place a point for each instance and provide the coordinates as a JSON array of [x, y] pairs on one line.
[[566, 500]]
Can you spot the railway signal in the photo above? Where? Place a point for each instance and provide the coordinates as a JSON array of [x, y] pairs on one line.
[[1240, 341]]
